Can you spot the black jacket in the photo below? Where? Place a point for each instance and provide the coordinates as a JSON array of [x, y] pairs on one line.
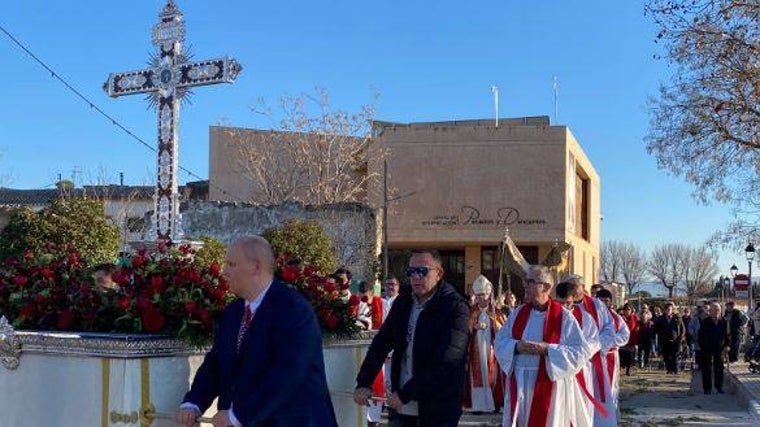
[[738, 320], [670, 329], [441, 339], [712, 336]]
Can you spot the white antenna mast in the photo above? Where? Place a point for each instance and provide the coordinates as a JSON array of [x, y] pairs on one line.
[[495, 92], [555, 95]]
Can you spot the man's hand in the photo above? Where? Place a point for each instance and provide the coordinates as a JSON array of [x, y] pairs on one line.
[[394, 401], [221, 419], [188, 417], [530, 347], [541, 348], [362, 395]]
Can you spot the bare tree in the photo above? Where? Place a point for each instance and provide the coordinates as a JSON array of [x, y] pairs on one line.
[[610, 260], [313, 154], [705, 123], [632, 265], [666, 264], [699, 270]]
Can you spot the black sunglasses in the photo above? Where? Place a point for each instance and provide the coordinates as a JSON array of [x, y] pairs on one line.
[[419, 271]]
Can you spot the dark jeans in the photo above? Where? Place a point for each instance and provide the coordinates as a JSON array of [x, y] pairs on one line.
[[645, 350], [397, 420], [733, 351], [711, 363], [669, 352]]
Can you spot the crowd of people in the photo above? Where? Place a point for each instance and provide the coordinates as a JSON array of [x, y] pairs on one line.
[[554, 360], [549, 361], [514, 364]]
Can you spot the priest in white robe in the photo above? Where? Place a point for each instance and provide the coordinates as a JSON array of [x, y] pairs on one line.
[[606, 414], [541, 349], [622, 334]]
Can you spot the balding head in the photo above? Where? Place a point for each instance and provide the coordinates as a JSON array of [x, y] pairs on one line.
[[257, 248], [249, 266]]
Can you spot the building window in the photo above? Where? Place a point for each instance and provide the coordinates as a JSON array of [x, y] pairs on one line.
[[488, 259], [582, 205]]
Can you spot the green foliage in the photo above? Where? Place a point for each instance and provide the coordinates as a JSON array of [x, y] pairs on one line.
[[304, 240], [66, 223], [212, 252], [65, 185]]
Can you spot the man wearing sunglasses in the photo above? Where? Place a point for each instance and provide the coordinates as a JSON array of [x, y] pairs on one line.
[[427, 330]]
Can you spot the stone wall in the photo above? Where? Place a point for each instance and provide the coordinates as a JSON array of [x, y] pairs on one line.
[[354, 229]]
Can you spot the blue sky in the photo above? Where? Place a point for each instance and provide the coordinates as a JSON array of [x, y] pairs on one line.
[[427, 60]]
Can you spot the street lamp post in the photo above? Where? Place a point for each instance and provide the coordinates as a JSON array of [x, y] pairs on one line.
[[734, 269], [749, 251], [724, 289]]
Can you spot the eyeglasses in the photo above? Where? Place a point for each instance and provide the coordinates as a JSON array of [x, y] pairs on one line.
[[419, 271]]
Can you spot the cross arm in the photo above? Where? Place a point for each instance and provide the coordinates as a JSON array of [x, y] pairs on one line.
[[130, 82], [209, 72]]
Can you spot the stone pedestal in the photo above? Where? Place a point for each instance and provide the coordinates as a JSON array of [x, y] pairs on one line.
[[74, 380]]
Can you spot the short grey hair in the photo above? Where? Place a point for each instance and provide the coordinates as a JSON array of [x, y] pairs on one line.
[[539, 274], [257, 248], [574, 278]]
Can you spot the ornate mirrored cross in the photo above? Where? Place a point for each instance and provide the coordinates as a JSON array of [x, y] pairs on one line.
[[167, 80]]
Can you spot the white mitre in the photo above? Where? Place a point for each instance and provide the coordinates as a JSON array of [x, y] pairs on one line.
[[481, 286]]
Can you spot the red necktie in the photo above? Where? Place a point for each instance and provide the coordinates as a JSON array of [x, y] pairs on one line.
[[244, 322]]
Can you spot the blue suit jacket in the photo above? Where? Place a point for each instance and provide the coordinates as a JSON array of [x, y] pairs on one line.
[[278, 377]]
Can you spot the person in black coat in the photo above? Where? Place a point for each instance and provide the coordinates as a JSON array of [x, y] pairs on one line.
[[670, 334], [713, 340], [427, 329], [736, 321]]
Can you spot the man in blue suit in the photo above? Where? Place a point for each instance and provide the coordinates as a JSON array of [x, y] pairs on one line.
[[266, 365]]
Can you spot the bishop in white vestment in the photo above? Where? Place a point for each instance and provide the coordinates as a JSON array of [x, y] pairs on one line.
[[541, 349], [484, 390]]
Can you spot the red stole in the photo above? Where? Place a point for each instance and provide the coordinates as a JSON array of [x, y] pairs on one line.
[[496, 377], [596, 360], [376, 312], [544, 387], [612, 352], [376, 307], [578, 313]]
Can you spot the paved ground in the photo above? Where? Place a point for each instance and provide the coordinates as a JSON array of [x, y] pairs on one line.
[[653, 398]]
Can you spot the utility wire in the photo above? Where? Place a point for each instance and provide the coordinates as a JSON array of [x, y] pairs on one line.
[[93, 106]]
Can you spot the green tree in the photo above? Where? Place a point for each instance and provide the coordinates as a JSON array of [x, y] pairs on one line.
[[212, 252], [304, 240], [77, 223], [65, 185]]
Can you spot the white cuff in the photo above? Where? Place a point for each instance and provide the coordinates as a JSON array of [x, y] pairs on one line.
[[189, 405], [233, 419]]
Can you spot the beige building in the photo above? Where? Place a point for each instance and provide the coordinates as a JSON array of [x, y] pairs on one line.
[[469, 180]]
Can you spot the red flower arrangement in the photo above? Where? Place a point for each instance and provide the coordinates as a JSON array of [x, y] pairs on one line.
[[166, 293], [336, 316]]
